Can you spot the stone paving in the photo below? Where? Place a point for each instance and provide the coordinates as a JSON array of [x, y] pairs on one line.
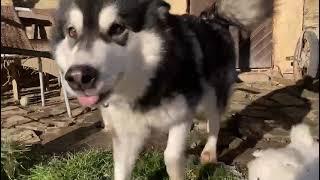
[[39, 125], [260, 115]]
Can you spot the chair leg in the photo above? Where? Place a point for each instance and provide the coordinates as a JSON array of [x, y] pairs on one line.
[[66, 100], [41, 82]]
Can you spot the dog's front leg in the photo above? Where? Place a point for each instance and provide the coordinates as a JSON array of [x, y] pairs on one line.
[[126, 147], [174, 153], [209, 152]]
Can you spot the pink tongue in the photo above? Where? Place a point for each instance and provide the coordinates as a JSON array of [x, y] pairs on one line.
[[88, 100]]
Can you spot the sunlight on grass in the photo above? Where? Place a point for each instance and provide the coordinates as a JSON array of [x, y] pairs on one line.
[[84, 165], [98, 165]]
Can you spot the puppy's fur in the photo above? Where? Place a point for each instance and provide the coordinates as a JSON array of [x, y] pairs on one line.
[[157, 72], [297, 161]]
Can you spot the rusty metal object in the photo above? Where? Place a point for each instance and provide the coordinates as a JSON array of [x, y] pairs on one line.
[[306, 56]]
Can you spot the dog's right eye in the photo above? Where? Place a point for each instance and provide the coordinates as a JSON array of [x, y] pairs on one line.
[[72, 32], [116, 29]]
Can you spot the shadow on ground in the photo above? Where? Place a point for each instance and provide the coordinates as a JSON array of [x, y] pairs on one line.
[[265, 114]]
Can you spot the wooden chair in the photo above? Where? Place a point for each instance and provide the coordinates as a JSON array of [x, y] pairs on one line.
[[14, 41]]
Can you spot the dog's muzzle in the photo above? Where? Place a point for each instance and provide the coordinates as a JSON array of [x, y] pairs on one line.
[[81, 77]]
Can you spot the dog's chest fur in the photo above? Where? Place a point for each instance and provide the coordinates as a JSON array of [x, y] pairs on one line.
[[120, 114]]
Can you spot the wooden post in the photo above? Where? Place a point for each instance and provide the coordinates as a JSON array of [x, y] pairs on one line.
[[15, 89], [13, 71], [59, 82], [235, 35]]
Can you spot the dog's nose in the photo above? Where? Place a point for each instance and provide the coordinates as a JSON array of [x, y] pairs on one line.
[[81, 77]]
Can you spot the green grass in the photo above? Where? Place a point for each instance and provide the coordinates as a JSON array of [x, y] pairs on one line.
[[20, 163], [80, 166], [12, 157], [97, 165]]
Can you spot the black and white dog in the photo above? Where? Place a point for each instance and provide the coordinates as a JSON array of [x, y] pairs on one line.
[[153, 69]]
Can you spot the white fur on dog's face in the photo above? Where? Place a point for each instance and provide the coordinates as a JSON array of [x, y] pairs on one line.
[[118, 66]]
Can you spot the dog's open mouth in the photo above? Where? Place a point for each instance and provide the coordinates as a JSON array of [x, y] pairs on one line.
[[93, 100]]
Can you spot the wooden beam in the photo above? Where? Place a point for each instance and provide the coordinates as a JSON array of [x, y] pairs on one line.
[[28, 18], [25, 52], [30, 22], [32, 15]]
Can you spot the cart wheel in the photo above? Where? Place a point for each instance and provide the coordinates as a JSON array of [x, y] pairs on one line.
[[306, 61]]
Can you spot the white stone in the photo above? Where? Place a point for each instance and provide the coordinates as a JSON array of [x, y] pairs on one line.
[[24, 101]]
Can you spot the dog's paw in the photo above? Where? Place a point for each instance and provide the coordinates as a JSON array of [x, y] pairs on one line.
[[208, 157]]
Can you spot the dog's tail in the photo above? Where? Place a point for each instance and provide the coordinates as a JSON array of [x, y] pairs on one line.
[[247, 14]]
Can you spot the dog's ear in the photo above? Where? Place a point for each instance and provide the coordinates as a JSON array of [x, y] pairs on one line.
[[132, 12], [163, 9], [157, 12], [142, 14]]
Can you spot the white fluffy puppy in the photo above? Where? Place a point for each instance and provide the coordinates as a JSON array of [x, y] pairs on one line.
[[297, 161]]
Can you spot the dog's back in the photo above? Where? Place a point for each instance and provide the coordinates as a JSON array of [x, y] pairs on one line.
[[218, 63], [208, 47]]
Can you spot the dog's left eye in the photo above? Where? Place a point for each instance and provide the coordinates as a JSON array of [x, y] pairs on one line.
[[116, 29], [72, 32]]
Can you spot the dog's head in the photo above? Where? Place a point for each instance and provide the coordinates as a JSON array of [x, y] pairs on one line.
[[100, 44]]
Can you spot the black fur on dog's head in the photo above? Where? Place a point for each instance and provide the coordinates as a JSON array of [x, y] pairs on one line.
[[134, 14], [142, 14], [110, 36]]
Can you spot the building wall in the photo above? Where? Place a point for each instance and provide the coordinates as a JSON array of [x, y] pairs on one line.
[[311, 15], [287, 27], [47, 4], [178, 6]]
